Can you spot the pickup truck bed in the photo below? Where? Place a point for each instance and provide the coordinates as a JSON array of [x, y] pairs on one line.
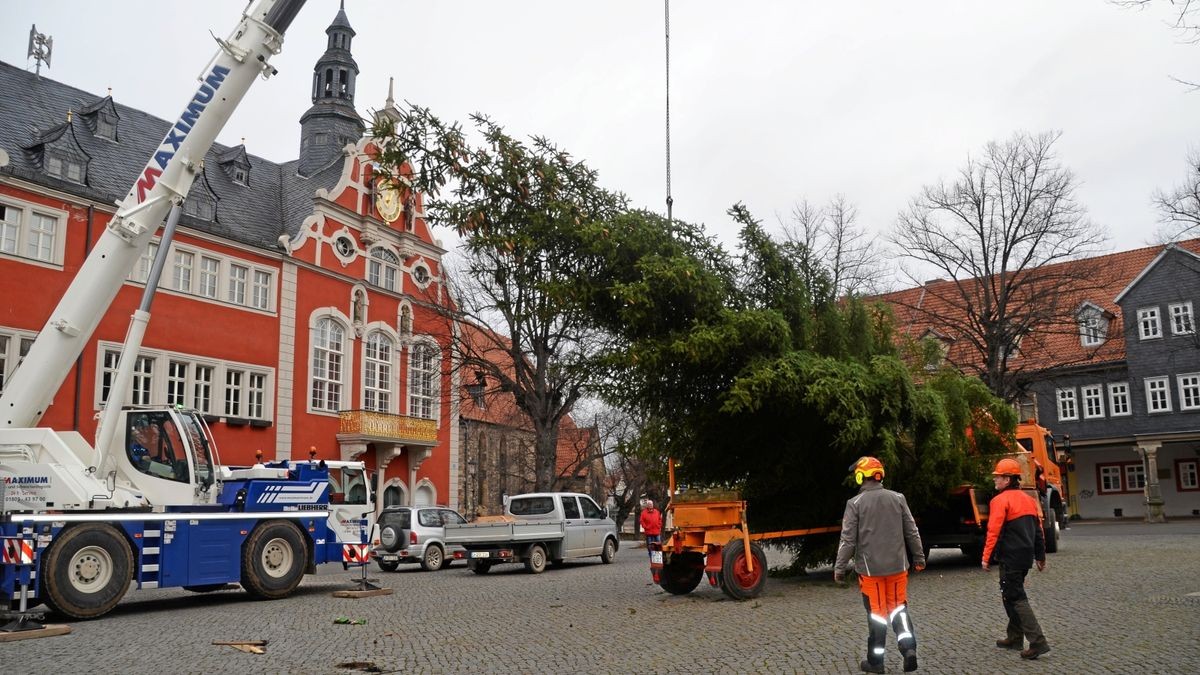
[[471, 535]]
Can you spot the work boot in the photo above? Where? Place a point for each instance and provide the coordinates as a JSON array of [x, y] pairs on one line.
[[1011, 643], [1035, 650], [868, 667], [910, 660]]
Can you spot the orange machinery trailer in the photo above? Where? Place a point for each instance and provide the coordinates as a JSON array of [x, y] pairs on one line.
[[707, 535]]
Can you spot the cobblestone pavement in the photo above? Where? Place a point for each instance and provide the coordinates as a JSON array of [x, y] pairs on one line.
[[1117, 598]]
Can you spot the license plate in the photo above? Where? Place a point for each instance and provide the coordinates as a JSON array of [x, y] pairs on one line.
[[480, 554], [656, 557], [390, 558]]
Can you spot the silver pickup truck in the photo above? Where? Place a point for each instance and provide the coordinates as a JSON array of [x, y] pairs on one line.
[[538, 528]]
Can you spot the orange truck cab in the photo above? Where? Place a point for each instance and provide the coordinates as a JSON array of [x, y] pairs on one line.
[[962, 523]]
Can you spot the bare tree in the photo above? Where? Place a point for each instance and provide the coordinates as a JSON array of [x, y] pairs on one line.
[[1184, 18], [1179, 207], [997, 233], [835, 243]]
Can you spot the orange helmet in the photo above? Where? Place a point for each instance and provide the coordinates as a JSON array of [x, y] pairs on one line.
[[1007, 467], [867, 467]]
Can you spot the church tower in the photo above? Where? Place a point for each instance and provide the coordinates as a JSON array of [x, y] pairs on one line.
[[331, 122]]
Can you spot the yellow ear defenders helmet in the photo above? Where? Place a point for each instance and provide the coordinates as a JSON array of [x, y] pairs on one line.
[[867, 467]]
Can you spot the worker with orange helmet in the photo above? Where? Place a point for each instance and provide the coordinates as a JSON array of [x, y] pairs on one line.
[[1015, 542], [877, 527]]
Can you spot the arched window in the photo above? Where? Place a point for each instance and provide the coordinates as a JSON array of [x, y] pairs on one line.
[[393, 495], [328, 354], [383, 268], [423, 381], [377, 374]]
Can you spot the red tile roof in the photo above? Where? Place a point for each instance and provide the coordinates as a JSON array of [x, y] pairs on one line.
[[1047, 348]]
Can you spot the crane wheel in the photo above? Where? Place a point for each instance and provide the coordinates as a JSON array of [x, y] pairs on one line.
[[273, 560], [739, 582], [682, 573], [87, 571]]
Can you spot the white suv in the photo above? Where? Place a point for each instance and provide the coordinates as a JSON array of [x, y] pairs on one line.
[[404, 538]]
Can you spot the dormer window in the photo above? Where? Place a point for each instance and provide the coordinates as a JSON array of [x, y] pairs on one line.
[[106, 126], [236, 164], [936, 348], [200, 206], [239, 175], [1093, 325], [64, 166]]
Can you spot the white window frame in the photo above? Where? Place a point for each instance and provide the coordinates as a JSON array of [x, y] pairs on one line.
[[210, 277], [1189, 391], [1113, 472], [1118, 400], [1063, 398], [329, 364], [260, 289], [1092, 329], [204, 381], [182, 264], [1149, 323], [239, 278], [1192, 474], [1132, 474], [18, 227], [381, 271], [14, 345], [424, 379], [1183, 320], [1092, 394], [1158, 385], [378, 394]]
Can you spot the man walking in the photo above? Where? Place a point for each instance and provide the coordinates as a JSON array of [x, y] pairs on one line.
[[876, 529], [1015, 541], [651, 523]]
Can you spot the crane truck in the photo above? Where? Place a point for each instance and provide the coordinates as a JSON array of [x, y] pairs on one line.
[[150, 504]]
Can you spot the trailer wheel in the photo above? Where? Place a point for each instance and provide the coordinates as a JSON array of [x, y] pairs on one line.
[[737, 580], [1051, 530], [87, 571], [273, 560], [479, 566], [536, 562], [387, 566], [610, 551], [433, 559], [682, 573]]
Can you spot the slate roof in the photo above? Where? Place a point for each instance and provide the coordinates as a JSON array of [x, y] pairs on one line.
[[275, 201], [1038, 351]]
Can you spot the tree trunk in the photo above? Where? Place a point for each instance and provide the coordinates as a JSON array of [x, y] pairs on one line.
[[546, 463]]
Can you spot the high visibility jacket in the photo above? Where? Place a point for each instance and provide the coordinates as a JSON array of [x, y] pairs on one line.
[[651, 521], [1015, 537], [876, 528]]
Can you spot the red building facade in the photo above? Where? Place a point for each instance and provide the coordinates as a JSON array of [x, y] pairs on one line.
[[300, 303]]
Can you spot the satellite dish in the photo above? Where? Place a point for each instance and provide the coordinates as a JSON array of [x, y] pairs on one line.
[[3, 158]]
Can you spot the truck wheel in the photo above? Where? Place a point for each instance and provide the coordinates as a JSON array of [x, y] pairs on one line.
[[682, 574], [87, 571], [273, 560], [388, 566], [433, 559], [536, 562], [737, 581], [609, 553], [479, 566], [1051, 530]]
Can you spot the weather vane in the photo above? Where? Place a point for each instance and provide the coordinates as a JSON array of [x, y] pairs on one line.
[[41, 46]]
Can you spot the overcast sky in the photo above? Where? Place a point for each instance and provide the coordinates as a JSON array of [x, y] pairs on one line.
[[771, 102]]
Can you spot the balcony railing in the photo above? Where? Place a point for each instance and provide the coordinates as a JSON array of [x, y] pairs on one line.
[[370, 424]]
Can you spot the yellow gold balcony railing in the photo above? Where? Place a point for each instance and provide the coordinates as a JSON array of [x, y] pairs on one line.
[[371, 424]]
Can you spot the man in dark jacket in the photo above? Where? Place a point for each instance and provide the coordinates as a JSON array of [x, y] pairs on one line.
[[877, 527], [1015, 540]]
